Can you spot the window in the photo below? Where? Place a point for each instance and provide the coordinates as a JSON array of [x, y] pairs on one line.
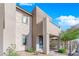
[[24, 39], [25, 19], [40, 41]]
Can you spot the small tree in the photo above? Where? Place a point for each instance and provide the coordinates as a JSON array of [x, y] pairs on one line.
[[11, 50], [69, 35]]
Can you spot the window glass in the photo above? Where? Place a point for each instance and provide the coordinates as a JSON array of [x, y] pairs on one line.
[[25, 19], [24, 39]]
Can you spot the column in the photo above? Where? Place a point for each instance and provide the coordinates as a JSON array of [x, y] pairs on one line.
[[45, 37], [46, 43]]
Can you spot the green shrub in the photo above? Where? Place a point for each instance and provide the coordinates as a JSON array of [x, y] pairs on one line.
[[30, 50], [62, 50], [11, 50]]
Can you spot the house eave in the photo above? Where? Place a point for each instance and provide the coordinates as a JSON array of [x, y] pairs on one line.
[[24, 10]]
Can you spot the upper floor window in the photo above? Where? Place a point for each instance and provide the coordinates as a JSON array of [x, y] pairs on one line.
[[25, 19]]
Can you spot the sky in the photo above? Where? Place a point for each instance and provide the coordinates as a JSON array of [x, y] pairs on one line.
[[64, 15]]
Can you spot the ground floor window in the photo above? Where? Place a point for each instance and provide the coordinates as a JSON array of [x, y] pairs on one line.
[[40, 41], [24, 39]]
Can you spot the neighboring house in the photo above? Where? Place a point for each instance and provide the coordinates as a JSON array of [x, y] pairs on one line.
[[26, 30]]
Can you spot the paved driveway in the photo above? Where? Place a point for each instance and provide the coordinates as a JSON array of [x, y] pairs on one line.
[[76, 53]]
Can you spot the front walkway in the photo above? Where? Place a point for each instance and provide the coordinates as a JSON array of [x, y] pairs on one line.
[[23, 53], [52, 53]]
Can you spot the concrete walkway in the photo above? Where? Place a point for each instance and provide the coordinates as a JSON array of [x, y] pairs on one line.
[[23, 53], [52, 53], [76, 52]]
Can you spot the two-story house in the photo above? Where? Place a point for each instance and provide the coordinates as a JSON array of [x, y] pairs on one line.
[[26, 30]]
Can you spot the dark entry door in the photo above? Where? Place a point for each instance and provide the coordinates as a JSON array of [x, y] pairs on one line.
[[41, 42]]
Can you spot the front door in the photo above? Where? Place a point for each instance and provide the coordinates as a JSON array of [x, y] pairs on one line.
[[41, 43]]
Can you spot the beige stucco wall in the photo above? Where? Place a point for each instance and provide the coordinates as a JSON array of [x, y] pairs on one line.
[[52, 28], [34, 28], [1, 27], [10, 27], [40, 16], [46, 39], [43, 26], [48, 29], [23, 29], [37, 24]]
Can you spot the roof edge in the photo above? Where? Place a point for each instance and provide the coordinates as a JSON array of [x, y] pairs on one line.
[[23, 10]]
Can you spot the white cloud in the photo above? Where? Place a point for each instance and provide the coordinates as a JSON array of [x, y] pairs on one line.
[[28, 4], [68, 20]]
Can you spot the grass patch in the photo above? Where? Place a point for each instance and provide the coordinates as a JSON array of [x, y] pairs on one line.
[[30, 50], [62, 50]]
